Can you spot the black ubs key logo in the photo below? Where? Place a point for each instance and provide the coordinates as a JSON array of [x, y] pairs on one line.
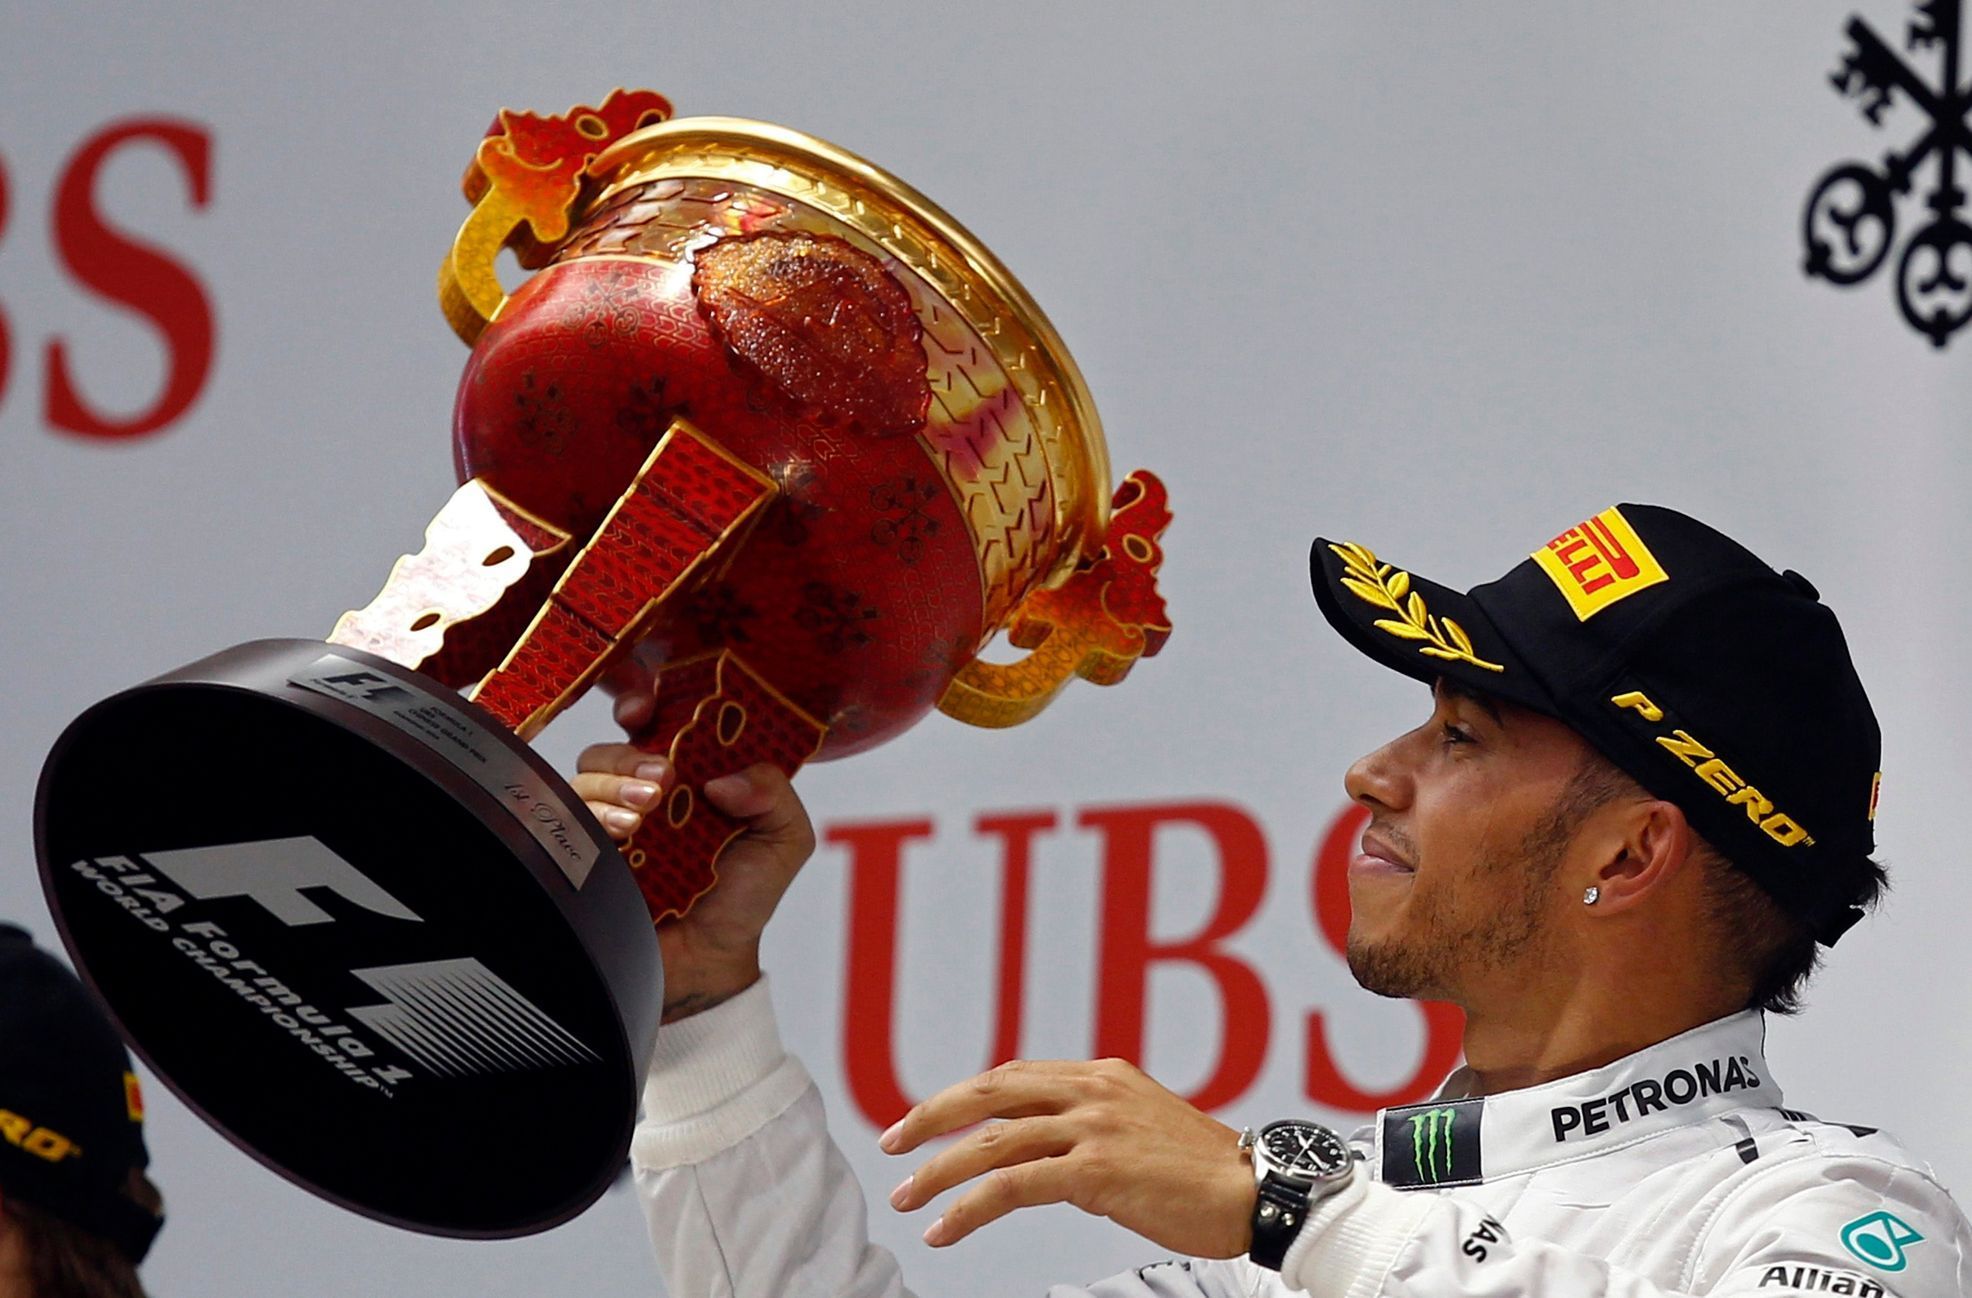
[[1850, 226]]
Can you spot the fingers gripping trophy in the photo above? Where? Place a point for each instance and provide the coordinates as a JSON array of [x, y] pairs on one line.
[[762, 417]]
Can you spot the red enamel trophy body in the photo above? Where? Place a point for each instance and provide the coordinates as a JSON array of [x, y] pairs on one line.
[[763, 417]]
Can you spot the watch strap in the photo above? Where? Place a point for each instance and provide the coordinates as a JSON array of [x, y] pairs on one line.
[[1277, 1218]]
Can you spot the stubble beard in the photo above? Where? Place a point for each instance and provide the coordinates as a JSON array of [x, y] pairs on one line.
[[1433, 955]]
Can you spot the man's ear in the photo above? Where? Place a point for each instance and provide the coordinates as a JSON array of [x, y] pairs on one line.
[[1640, 847]]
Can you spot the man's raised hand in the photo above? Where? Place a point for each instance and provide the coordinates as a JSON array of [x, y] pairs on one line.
[[1101, 1136]]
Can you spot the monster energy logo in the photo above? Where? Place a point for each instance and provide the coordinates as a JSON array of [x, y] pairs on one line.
[[1426, 1128], [1444, 1144]]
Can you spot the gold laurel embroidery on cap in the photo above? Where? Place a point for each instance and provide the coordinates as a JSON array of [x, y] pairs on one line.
[[1387, 587]]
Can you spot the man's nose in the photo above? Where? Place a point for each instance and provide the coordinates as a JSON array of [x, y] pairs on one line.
[[1380, 779]]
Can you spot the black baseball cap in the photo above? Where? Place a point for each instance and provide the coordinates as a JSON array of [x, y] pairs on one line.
[[1719, 684], [71, 1116]]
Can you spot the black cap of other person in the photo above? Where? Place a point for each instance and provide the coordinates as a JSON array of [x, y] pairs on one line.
[[71, 1116]]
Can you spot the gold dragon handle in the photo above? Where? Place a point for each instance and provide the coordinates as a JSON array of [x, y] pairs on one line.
[[1095, 625], [525, 182]]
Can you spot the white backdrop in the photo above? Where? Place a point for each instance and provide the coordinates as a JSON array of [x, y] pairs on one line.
[[1442, 278]]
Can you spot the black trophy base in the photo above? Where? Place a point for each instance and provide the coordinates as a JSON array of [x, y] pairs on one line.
[[362, 930]]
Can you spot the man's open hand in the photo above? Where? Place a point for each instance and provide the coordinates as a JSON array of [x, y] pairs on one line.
[[1101, 1136]]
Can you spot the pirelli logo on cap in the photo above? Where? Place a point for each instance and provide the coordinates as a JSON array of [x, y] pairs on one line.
[[1599, 562], [133, 1097]]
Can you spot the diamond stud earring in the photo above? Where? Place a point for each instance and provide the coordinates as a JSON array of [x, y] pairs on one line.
[[1590, 897]]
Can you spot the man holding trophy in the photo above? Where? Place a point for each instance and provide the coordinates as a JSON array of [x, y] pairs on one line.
[[774, 447], [1643, 797]]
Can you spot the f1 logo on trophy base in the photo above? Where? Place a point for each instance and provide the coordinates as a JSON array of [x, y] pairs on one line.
[[764, 417]]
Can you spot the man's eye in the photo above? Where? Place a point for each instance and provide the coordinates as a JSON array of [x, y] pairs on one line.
[[1454, 735]]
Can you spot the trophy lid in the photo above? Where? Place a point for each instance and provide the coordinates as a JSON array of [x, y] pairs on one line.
[[894, 220]]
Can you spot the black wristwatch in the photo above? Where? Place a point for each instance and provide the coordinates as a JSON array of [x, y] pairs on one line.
[[1297, 1164]]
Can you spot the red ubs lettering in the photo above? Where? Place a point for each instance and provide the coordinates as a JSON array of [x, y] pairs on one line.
[[119, 267], [1126, 952]]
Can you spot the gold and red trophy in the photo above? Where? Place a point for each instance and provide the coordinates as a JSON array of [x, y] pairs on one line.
[[762, 416], [770, 419]]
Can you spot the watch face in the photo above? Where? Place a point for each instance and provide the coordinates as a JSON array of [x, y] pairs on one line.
[[1303, 1149]]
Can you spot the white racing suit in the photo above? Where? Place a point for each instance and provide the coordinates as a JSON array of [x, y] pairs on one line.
[[1672, 1171]]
